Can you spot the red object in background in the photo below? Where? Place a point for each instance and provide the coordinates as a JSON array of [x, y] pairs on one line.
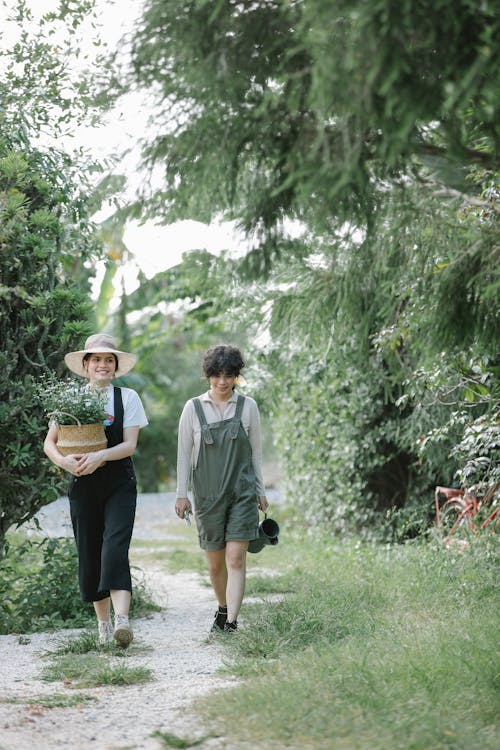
[[465, 506]]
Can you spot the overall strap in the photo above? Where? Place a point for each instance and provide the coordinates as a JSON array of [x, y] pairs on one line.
[[205, 430], [118, 404], [114, 432], [237, 416]]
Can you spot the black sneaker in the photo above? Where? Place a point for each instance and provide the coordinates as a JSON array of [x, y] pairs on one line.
[[230, 627], [220, 619]]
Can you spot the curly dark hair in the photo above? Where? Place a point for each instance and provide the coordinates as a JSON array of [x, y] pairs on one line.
[[222, 358]]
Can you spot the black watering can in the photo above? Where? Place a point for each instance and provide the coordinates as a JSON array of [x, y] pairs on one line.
[[268, 534]]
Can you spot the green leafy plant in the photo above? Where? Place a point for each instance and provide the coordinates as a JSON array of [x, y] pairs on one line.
[[28, 606], [67, 400], [479, 454], [173, 740]]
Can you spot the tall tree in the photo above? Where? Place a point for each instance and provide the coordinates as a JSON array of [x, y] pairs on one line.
[[264, 105], [170, 344], [376, 125], [45, 238]]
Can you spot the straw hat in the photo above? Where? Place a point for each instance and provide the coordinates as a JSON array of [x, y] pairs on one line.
[[99, 343]]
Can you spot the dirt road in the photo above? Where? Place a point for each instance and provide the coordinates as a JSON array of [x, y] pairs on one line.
[[184, 664]]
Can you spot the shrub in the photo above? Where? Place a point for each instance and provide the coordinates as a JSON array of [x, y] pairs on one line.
[[39, 588]]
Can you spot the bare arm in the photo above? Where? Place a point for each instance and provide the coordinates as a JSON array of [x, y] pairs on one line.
[[68, 463], [87, 463]]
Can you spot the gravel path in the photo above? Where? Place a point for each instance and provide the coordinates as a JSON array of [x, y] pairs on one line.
[[184, 663]]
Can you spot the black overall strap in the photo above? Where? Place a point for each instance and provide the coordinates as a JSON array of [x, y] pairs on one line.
[[205, 430], [237, 416], [114, 432]]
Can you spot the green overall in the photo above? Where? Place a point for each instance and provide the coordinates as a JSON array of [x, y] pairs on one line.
[[224, 483]]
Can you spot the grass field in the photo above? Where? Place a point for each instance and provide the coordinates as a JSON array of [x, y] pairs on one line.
[[343, 645], [369, 647]]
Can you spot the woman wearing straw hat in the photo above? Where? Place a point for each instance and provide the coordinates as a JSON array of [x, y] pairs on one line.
[[220, 436], [103, 490]]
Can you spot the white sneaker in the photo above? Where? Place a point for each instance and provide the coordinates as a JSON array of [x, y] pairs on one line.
[[123, 634], [105, 630]]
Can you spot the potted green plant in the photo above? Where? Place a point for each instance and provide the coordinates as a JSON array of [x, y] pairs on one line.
[[78, 410]]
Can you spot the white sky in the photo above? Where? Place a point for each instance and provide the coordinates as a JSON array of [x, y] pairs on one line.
[[154, 247]]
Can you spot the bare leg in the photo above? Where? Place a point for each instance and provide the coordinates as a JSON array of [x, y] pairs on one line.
[[121, 601], [121, 604], [103, 609], [218, 573], [236, 572]]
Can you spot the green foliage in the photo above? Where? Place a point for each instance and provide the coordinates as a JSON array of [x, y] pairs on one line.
[[313, 101], [478, 454], [376, 126], [39, 588], [173, 740], [386, 374], [44, 86], [46, 238], [63, 399], [462, 395], [169, 345], [44, 312]]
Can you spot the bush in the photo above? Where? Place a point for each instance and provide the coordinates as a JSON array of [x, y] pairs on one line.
[[44, 311], [39, 588]]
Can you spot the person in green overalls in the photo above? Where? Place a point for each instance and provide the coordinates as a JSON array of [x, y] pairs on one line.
[[220, 442]]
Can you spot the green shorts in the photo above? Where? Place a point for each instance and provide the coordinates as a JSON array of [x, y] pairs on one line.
[[226, 519]]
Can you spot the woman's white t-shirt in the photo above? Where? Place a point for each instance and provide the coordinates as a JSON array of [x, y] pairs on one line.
[[133, 410]]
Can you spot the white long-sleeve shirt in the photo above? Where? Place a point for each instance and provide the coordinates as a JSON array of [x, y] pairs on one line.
[[189, 439]]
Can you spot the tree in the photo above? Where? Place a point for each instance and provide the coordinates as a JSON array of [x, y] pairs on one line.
[[46, 238], [42, 314], [376, 126], [314, 100], [170, 344]]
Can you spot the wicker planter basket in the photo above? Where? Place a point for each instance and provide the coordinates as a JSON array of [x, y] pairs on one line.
[[80, 438]]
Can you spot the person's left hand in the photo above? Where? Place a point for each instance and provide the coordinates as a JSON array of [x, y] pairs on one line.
[[89, 462], [262, 503]]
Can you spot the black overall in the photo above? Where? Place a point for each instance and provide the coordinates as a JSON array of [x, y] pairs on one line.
[[224, 482], [102, 508]]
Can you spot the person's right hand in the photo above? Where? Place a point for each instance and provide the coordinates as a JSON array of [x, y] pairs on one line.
[[182, 505], [71, 463]]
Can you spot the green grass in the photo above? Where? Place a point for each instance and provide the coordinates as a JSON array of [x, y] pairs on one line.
[[172, 740], [347, 647], [376, 648], [174, 560], [91, 670], [87, 641], [262, 586], [55, 700]]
